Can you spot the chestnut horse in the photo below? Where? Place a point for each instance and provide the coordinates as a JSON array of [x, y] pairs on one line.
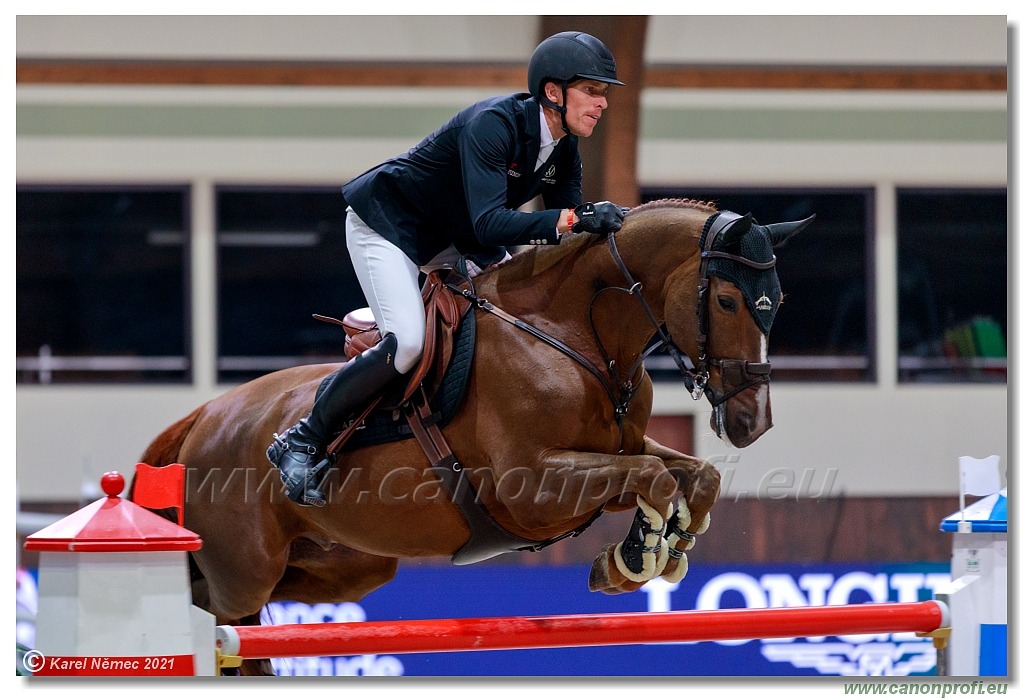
[[550, 434]]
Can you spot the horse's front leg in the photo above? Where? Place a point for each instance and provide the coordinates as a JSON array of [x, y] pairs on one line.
[[700, 484], [577, 483]]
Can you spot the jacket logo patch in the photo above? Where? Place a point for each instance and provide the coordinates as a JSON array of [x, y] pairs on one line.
[[512, 171], [549, 175]]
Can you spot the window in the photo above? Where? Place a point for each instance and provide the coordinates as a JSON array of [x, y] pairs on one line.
[[824, 329], [281, 257], [952, 285], [101, 284]]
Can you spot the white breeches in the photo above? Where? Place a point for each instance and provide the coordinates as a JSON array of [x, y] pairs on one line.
[[390, 283]]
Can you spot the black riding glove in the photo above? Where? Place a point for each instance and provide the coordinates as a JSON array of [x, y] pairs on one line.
[[601, 218]]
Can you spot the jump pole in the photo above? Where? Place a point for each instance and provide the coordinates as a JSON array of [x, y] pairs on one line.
[[490, 633]]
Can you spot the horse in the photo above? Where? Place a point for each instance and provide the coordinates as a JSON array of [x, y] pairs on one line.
[[549, 432]]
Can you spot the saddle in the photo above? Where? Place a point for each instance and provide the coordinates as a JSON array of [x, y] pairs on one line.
[[444, 310], [447, 299]]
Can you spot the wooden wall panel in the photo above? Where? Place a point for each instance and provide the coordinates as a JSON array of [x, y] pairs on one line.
[[500, 76], [785, 531], [745, 531]]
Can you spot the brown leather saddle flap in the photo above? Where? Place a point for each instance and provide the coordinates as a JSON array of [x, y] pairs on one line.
[[443, 309]]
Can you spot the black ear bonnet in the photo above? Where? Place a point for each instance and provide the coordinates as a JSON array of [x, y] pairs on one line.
[[760, 288]]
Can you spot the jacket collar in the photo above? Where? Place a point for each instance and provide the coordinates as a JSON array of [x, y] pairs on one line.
[[533, 117]]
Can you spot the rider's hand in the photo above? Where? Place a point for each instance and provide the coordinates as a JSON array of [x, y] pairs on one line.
[[601, 218]]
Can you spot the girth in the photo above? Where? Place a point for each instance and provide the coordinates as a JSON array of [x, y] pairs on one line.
[[486, 537]]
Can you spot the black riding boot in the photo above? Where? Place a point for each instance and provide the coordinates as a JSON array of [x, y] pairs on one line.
[[299, 453]]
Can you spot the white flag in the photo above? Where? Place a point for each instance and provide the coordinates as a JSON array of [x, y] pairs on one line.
[[980, 477]]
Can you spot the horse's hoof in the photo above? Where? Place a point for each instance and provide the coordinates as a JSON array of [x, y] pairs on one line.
[[679, 572], [600, 575]]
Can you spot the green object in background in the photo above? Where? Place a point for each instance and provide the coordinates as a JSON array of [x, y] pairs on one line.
[[19, 660], [988, 337], [980, 337]]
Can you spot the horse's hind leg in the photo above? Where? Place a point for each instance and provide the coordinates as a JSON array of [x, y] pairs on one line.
[[201, 598], [241, 567], [337, 574], [318, 575]]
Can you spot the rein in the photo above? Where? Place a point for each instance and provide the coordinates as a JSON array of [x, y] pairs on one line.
[[620, 404], [740, 374]]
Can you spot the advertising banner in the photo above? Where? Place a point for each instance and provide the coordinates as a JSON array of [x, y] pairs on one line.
[[494, 591]]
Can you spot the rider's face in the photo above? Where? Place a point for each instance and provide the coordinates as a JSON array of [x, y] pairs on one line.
[[586, 100]]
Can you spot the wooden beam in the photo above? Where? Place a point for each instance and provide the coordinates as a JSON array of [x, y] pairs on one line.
[[933, 78], [271, 73], [498, 75]]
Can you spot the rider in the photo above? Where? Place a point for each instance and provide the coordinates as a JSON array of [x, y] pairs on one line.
[[457, 193]]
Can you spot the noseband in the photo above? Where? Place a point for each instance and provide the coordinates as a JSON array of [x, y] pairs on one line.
[[737, 375]]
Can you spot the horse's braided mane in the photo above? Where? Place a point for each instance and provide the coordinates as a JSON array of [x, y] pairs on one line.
[[675, 203], [671, 203]]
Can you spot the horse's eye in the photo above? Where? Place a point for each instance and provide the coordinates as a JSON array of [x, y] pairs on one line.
[[727, 303]]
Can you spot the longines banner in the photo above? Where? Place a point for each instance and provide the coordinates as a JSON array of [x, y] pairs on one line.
[[493, 591]]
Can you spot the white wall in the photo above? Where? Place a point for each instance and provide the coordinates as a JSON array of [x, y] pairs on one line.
[[330, 38], [868, 40], [772, 40], [875, 439]]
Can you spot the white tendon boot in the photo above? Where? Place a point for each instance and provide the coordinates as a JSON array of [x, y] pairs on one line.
[[679, 540]]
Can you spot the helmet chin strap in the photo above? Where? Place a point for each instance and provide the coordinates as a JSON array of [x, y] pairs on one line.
[[560, 108]]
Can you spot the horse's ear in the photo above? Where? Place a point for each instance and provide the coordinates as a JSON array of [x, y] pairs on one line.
[[734, 232], [780, 233]]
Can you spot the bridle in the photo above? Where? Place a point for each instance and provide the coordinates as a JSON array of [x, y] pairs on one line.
[[737, 375]]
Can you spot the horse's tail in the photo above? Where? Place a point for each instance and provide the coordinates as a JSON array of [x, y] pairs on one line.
[[165, 449]]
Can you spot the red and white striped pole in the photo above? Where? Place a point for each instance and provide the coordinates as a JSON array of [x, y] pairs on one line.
[[481, 634]]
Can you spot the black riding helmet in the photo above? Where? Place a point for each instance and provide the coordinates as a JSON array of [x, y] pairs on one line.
[[565, 57]]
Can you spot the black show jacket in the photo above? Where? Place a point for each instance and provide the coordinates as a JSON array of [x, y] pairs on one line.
[[463, 183]]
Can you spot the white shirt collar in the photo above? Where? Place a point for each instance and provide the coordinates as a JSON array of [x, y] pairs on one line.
[[545, 133]]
